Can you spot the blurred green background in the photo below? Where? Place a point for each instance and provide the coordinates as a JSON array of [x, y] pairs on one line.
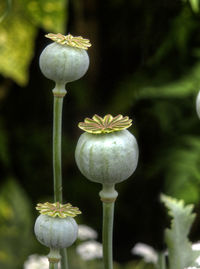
[[144, 63]]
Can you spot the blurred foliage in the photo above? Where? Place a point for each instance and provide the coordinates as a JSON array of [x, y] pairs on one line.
[[137, 265], [16, 237], [179, 247], [5, 9], [182, 169], [77, 262], [195, 5], [18, 32]]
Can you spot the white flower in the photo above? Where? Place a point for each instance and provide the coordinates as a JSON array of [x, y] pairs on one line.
[[198, 104], [37, 262], [148, 253], [90, 250], [196, 247], [191, 268], [198, 260], [85, 232]]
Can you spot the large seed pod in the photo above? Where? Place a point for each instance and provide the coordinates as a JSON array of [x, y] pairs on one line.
[[54, 232], [108, 157], [65, 60]]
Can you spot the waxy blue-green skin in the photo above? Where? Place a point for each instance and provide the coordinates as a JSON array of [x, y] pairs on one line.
[[62, 63], [107, 158], [55, 232]]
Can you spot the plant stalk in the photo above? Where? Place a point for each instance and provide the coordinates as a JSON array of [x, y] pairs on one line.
[[161, 261], [59, 93], [57, 134], [53, 265], [108, 218]]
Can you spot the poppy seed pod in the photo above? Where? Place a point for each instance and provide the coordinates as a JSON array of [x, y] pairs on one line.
[[106, 153], [56, 227], [56, 233], [66, 59]]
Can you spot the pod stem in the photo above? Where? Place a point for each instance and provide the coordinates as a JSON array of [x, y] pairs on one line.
[[64, 260], [53, 265], [108, 217], [108, 196], [54, 258], [161, 261], [59, 93]]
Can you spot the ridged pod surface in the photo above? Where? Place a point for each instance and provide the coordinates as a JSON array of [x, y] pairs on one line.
[[62, 63], [56, 233], [107, 158]]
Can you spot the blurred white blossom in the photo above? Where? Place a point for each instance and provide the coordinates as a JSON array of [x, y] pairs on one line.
[[37, 262], [147, 252], [90, 250], [196, 247], [192, 268], [85, 232]]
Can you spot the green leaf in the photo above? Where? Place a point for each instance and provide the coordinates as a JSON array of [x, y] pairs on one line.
[[4, 10], [194, 5], [17, 37], [180, 250], [18, 32], [182, 170], [47, 14], [16, 236]]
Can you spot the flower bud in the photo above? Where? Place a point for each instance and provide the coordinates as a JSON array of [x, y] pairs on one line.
[[106, 153], [66, 59]]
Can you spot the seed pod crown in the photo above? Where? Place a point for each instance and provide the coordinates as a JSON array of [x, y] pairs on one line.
[[70, 40], [58, 210], [107, 124]]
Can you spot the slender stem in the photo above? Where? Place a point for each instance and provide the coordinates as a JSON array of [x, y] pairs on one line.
[[57, 133], [108, 217], [64, 260], [59, 93], [108, 195], [53, 265], [161, 261]]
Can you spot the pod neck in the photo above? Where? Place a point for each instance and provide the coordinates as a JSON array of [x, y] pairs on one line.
[[59, 90], [54, 255], [108, 194]]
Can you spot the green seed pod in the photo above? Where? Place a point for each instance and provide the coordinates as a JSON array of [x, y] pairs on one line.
[[198, 104], [56, 227], [66, 59], [106, 153], [55, 232]]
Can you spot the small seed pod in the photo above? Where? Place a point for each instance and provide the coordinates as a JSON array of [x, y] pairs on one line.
[[56, 227], [106, 153], [66, 59], [198, 104], [55, 232]]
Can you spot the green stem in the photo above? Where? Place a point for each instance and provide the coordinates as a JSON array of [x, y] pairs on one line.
[[161, 261], [64, 260], [53, 265], [57, 133], [59, 93], [108, 195], [108, 217]]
